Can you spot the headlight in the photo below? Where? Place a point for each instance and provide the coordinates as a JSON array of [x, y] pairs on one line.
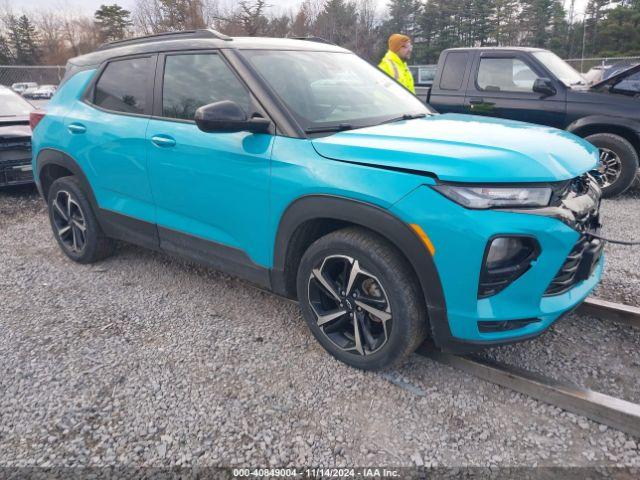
[[496, 197]]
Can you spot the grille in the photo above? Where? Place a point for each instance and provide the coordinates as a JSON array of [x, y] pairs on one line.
[[11, 172], [15, 153], [578, 266], [585, 254]]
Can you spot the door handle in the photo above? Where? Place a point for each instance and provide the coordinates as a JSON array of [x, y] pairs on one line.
[[76, 128], [476, 100], [163, 141]]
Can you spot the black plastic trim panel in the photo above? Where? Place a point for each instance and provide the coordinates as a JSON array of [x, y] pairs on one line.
[[215, 255]]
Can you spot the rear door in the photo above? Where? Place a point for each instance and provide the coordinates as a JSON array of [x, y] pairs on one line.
[[106, 135], [501, 85], [448, 90], [211, 189]]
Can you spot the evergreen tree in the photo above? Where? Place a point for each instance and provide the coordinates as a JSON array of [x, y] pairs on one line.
[[337, 22], [113, 21], [6, 57], [23, 40]]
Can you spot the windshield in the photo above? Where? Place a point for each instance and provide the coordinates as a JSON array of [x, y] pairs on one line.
[[330, 89], [561, 69], [11, 105]]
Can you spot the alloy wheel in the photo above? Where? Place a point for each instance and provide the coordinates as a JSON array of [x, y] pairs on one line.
[[350, 305], [609, 169], [69, 222]]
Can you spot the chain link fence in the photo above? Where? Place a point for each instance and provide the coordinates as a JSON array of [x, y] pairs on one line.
[[42, 75], [583, 65]]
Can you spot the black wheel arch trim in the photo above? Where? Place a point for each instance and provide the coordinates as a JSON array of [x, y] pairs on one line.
[[381, 221], [633, 126], [52, 156]]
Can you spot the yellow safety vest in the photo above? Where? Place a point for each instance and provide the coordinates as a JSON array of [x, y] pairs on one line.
[[396, 68]]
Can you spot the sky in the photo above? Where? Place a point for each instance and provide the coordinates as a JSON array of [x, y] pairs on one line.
[[90, 6]]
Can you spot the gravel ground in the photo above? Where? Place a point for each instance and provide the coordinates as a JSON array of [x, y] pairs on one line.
[[148, 361], [621, 220]]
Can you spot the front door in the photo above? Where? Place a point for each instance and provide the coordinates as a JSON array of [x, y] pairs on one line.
[[211, 189], [503, 88]]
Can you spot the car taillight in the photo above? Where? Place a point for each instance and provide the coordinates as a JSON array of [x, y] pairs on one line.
[[35, 117]]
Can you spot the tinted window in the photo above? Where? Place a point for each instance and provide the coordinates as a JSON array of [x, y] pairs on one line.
[[453, 71], [505, 75], [191, 81], [123, 86], [325, 89]]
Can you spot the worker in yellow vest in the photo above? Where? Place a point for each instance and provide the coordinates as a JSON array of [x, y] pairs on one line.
[[394, 63]]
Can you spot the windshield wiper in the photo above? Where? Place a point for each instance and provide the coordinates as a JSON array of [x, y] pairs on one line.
[[330, 128], [406, 116]]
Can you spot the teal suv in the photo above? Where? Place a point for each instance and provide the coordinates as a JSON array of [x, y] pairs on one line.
[[303, 169]]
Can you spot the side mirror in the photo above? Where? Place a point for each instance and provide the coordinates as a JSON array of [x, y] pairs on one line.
[[544, 86], [227, 116]]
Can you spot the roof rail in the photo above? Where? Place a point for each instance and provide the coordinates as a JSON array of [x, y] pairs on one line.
[[313, 39], [200, 33]]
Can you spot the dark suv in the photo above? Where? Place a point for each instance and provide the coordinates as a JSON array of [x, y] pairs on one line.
[[535, 85], [302, 168]]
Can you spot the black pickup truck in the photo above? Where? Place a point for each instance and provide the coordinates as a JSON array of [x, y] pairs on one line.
[[535, 85]]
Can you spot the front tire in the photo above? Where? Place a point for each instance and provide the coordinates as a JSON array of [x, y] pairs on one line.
[[361, 299], [618, 163], [74, 223]]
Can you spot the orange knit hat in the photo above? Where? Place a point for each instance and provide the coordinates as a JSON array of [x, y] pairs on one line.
[[396, 41]]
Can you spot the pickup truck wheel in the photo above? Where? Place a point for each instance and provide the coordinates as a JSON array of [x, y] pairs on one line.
[[618, 163], [360, 299], [74, 224]]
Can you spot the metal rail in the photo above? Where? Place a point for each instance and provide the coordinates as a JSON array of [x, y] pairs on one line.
[[615, 312], [614, 412]]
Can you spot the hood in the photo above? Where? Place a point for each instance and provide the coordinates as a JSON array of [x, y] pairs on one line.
[[17, 128], [617, 78], [465, 148]]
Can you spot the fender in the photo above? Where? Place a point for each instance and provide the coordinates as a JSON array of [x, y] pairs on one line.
[[113, 224], [378, 220], [604, 121]]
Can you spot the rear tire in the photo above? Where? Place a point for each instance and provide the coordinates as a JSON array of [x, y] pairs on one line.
[[357, 272], [619, 162], [74, 223]]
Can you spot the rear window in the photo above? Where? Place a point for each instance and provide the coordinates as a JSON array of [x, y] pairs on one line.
[[12, 105], [454, 66], [122, 87]]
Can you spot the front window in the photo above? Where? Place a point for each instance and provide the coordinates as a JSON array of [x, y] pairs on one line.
[[194, 80], [561, 69], [325, 89], [505, 75]]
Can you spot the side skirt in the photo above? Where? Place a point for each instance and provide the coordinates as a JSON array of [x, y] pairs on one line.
[[204, 252]]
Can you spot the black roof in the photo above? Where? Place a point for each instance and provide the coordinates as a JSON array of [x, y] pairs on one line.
[[496, 49], [197, 40]]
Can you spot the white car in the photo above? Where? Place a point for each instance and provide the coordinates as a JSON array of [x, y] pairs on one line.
[[43, 92], [22, 86]]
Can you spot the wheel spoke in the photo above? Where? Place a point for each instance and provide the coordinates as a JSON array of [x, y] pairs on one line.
[[357, 337], [64, 230], [68, 206], [81, 226], [323, 319], [317, 274], [365, 327], [75, 239], [56, 205], [353, 274], [382, 315]]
